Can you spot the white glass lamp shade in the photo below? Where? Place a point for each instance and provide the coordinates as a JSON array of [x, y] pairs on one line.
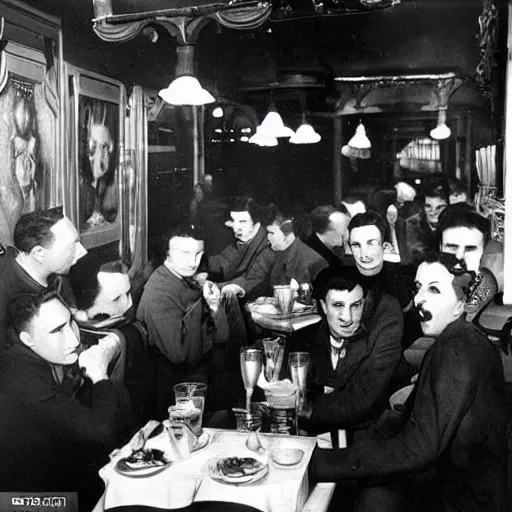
[[186, 90], [263, 140], [441, 131], [305, 134], [360, 140], [273, 126]]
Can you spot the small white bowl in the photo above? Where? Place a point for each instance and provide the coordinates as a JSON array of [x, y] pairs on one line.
[[287, 456]]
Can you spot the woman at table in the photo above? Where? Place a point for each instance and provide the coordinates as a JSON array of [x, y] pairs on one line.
[[354, 353], [450, 453]]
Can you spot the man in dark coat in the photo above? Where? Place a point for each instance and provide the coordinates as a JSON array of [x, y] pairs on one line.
[[453, 438], [354, 353], [184, 318], [329, 228], [231, 267], [50, 440], [289, 258], [47, 245]]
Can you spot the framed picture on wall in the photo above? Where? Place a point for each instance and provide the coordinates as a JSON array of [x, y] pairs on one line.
[[30, 115], [97, 116]]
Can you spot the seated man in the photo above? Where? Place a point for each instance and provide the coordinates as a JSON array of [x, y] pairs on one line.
[[450, 452], [354, 353], [183, 319], [463, 233], [417, 234], [329, 228], [232, 265], [290, 258], [104, 303], [368, 238], [49, 439], [47, 245]]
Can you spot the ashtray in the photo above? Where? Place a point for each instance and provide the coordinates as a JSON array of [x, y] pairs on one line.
[[287, 456]]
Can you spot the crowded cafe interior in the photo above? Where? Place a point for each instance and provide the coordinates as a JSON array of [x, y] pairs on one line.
[[254, 255]]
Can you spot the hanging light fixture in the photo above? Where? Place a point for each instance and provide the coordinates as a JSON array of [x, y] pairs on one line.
[[441, 131], [185, 89], [273, 126], [305, 133], [262, 139], [359, 145]]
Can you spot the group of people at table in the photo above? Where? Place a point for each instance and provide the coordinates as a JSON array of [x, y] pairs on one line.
[[82, 369]]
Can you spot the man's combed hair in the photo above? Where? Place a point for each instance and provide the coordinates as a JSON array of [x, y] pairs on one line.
[[283, 220], [34, 228], [84, 278], [185, 231], [320, 218], [370, 218], [25, 307], [248, 204], [455, 216], [336, 278]]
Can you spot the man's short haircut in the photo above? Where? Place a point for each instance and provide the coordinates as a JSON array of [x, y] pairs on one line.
[[25, 307], [370, 218], [34, 229], [458, 186], [437, 187], [336, 278], [84, 278], [285, 222], [185, 231], [248, 204], [455, 216], [320, 218]]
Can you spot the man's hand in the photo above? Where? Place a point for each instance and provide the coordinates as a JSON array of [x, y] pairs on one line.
[[110, 345], [211, 293], [95, 363], [233, 290], [201, 278]]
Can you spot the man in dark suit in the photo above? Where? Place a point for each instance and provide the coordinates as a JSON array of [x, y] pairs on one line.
[[353, 355], [329, 226], [450, 451]]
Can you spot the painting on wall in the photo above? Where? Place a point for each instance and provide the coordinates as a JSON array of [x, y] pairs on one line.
[[97, 143], [29, 141]]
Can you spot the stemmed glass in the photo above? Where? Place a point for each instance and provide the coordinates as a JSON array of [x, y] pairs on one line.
[[298, 363], [250, 364]]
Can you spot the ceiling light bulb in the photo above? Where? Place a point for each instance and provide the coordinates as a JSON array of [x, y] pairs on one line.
[[218, 112]]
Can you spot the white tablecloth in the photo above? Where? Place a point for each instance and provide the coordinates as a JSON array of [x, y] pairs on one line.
[[282, 490]]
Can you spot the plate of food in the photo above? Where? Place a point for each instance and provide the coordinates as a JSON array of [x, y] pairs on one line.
[[143, 463], [237, 470]]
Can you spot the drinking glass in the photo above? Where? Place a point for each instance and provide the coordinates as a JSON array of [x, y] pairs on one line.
[[250, 364], [274, 352], [283, 295], [191, 396], [298, 363]]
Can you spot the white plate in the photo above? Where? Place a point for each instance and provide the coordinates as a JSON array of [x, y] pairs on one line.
[[216, 475]]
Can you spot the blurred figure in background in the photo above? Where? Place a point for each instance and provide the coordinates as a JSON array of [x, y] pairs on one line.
[[329, 232]]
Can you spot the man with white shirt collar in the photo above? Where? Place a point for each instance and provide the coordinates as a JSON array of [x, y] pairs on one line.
[[354, 353]]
